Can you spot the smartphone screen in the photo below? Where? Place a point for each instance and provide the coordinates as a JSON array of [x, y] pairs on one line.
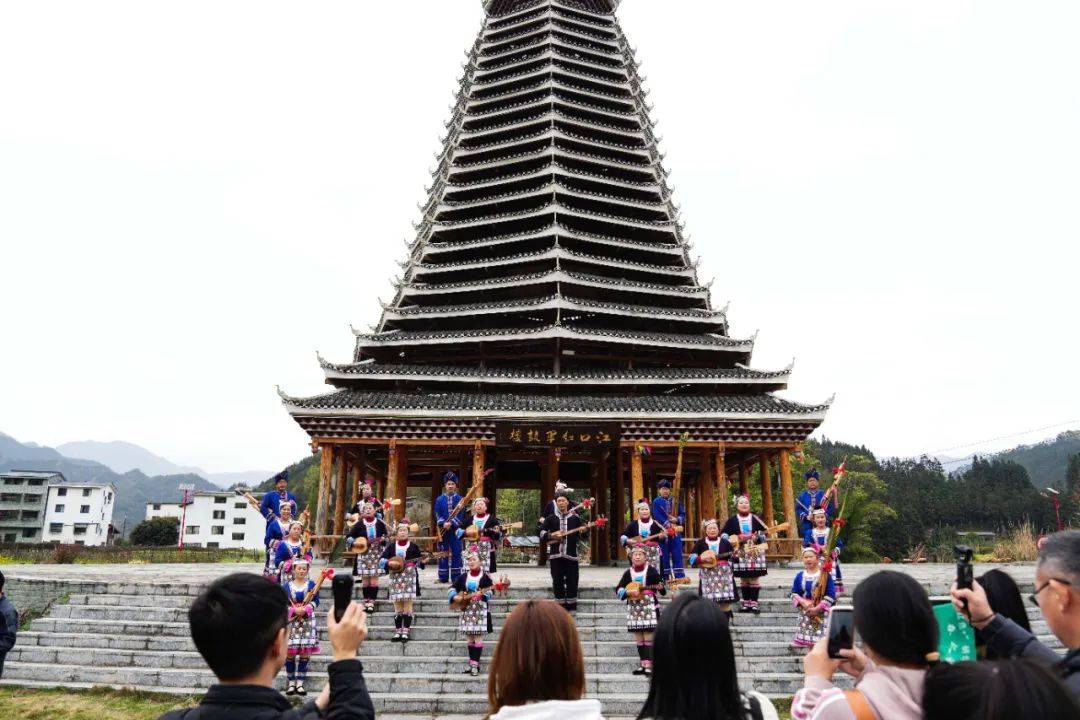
[[841, 630]]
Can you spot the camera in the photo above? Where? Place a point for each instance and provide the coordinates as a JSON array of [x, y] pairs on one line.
[[965, 571]]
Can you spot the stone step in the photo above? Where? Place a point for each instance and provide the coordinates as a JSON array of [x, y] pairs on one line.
[[390, 663], [403, 684]]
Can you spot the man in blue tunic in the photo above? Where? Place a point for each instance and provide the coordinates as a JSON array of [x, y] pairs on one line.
[[271, 501], [449, 568], [811, 499], [665, 513]]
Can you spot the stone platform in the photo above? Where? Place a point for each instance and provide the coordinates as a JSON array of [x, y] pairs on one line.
[[126, 626]]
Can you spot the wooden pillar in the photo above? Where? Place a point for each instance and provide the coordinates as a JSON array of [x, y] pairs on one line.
[[356, 477], [620, 501], [478, 469], [744, 478], [788, 493], [766, 490], [326, 471], [637, 478], [340, 482], [603, 537], [707, 494], [548, 476], [724, 508], [394, 484]]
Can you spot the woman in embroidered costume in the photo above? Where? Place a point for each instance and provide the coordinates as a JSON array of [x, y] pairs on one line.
[[372, 532], [288, 550], [485, 539], [303, 630], [634, 534], [639, 587], [716, 581], [749, 564], [400, 560], [475, 619], [819, 535], [277, 528], [812, 615]]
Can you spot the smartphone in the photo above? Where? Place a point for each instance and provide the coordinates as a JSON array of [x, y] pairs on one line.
[[343, 592], [965, 571], [841, 630]]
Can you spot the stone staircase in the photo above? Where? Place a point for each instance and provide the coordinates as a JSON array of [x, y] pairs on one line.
[[136, 636]]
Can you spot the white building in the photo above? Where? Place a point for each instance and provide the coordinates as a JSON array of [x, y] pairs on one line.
[[79, 513], [216, 520]]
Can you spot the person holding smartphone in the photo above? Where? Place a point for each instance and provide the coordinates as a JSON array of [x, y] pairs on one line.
[[899, 632]]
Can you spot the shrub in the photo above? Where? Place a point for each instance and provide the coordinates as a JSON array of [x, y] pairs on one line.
[[1017, 544], [159, 532], [64, 554]]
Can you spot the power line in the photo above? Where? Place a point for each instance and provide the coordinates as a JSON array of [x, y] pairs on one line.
[[1004, 437]]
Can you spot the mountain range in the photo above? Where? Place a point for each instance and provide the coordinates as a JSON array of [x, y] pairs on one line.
[[122, 457]]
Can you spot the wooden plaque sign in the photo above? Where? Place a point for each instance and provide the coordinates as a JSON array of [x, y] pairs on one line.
[[544, 435]]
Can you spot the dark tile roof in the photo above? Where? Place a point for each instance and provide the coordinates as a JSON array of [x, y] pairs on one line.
[[504, 403], [395, 337], [372, 369]]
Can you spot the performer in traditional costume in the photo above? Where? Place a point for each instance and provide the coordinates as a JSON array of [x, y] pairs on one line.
[[367, 537], [401, 560], [449, 567], [562, 551], [276, 531], [819, 535], [549, 509], [812, 615], [750, 563], [367, 496], [811, 499], [303, 630], [639, 587], [288, 550], [270, 507], [637, 531], [475, 622], [716, 580], [481, 534], [666, 513]]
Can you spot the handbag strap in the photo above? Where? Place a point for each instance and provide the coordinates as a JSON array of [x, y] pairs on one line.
[[859, 705]]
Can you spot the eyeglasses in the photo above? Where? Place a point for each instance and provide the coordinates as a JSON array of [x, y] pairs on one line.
[[1034, 597]]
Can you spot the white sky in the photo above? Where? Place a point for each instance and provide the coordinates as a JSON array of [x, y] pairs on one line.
[[196, 196]]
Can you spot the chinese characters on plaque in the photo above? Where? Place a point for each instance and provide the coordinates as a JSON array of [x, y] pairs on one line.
[[563, 436]]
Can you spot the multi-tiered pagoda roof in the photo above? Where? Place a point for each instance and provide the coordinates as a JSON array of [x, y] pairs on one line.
[[550, 277]]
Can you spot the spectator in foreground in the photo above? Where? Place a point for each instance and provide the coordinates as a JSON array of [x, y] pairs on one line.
[[239, 627], [694, 674], [538, 671], [997, 690], [899, 633], [1004, 596], [9, 625], [1057, 593]]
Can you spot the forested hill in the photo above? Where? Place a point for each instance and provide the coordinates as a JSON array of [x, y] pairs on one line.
[[1047, 462]]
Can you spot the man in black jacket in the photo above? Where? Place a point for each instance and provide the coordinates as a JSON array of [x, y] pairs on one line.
[[562, 551], [239, 626], [9, 625]]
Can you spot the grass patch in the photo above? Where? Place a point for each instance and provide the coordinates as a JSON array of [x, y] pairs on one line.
[[783, 707], [96, 704]]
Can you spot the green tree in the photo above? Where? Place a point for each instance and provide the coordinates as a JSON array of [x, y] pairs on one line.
[[1072, 475], [160, 532]]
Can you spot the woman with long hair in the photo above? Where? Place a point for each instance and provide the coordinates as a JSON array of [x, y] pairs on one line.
[[1004, 596], [538, 670], [694, 674], [1015, 689], [899, 633]]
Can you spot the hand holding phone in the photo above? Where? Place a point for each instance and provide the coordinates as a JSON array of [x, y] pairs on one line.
[[841, 630], [343, 592]]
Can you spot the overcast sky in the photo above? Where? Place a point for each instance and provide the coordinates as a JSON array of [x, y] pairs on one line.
[[195, 197]]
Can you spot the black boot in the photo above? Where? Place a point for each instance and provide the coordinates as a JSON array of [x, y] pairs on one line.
[[408, 626], [399, 621]]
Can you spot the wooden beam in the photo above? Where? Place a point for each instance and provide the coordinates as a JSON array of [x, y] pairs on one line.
[[326, 470], [707, 491], [356, 478], [604, 489], [721, 478], [394, 488], [788, 493], [744, 479], [468, 442], [549, 474], [766, 490], [340, 481]]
